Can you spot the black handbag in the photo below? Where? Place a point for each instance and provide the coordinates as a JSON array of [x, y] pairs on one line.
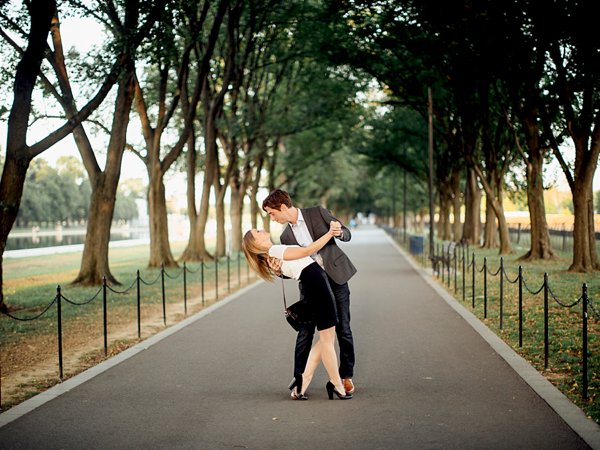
[[297, 314]]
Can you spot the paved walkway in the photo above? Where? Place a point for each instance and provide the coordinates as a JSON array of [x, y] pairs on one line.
[[428, 376]]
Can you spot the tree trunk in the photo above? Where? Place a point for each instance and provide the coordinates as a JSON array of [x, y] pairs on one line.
[[255, 208], [581, 182], [209, 173], [17, 154], [582, 244], [94, 262], [495, 202], [471, 228], [505, 245], [194, 250], [236, 213], [210, 161], [221, 246], [11, 191], [160, 250], [444, 214], [200, 226], [456, 224], [584, 130], [447, 224], [540, 247], [591, 231], [490, 231]]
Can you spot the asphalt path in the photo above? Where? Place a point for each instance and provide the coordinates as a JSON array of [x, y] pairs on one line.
[[425, 378]]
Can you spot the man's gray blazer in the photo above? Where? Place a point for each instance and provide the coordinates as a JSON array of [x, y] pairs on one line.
[[337, 264]]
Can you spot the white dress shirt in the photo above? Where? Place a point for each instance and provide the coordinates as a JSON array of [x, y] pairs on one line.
[[303, 237]]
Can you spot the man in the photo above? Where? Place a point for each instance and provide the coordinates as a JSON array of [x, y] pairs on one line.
[[303, 227]]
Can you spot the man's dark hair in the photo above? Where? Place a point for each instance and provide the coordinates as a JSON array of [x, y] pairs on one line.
[[277, 198]]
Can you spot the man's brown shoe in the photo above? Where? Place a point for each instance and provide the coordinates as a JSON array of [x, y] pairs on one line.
[[348, 385]]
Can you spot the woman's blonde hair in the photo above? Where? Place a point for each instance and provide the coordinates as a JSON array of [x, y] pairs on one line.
[[257, 259]]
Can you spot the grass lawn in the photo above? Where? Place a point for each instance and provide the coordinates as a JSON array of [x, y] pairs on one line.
[[565, 329]]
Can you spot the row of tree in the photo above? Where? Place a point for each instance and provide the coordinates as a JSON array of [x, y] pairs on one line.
[[327, 98], [213, 88], [513, 84]]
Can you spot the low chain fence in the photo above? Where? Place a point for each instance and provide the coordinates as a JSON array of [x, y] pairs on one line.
[[561, 238], [451, 261], [225, 265]]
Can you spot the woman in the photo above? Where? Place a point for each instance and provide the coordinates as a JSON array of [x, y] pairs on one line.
[[297, 264]]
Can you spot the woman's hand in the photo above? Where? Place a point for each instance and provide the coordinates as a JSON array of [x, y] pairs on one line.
[[275, 265]]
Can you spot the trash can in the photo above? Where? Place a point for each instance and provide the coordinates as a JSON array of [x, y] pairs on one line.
[[415, 244]]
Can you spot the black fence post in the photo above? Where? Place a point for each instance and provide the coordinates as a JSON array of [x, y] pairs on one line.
[[184, 289], [59, 325], [447, 264], [439, 261], [501, 290], [473, 290], [485, 287], [464, 273], [164, 301], [546, 336], [202, 279], [139, 311], [228, 273], [455, 272], [216, 277], [104, 315], [520, 306], [584, 299]]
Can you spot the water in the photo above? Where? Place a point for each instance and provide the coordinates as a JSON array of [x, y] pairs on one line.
[[64, 238]]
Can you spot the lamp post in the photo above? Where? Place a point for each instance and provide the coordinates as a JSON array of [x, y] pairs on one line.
[[430, 110], [404, 200]]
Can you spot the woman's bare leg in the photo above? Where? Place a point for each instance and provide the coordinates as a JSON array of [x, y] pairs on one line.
[[314, 358], [323, 350], [329, 357]]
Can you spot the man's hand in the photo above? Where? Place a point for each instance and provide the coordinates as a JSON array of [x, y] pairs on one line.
[[335, 228]]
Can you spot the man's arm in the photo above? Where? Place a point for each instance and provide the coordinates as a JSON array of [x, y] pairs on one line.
[[345, 235]]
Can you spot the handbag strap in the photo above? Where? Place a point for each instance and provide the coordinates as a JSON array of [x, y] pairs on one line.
[[283, 290]]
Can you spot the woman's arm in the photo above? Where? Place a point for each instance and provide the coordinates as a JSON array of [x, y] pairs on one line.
[[291, 253]]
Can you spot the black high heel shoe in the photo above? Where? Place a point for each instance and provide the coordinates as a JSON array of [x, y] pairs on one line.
[[331, 390], [296, 387]]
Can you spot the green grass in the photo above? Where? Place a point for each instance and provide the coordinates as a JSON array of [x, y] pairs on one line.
[[31, 285], [564, 323]]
